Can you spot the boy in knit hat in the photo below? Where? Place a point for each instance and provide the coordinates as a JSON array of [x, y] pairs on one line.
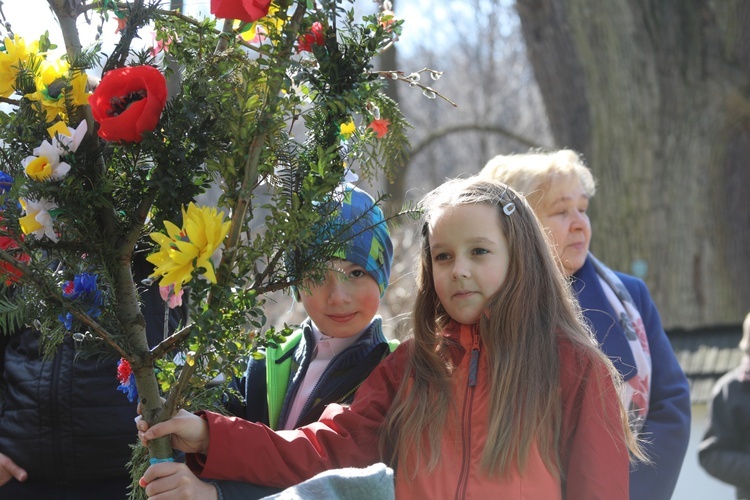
[[341, 341]]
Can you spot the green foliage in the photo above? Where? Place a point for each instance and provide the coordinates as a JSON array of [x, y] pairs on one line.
[[261, 120]]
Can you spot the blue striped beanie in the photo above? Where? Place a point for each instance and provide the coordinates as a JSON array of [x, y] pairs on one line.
[[362, 224]]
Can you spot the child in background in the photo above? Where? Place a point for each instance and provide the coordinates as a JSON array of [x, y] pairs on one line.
[[502, 392], [341, 341]]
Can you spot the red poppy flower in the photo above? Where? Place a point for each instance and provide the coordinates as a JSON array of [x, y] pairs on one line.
[[380, 127], [129, 102], [248, 11], [314, 37]]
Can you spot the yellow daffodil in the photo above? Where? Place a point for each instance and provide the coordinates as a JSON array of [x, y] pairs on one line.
[[347, 129], [15, 56], [54, 85], [182, 250], [38, 221], [45, 164]]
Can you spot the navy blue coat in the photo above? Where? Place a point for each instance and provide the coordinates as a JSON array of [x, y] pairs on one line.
[[667, 426], [63, 419]]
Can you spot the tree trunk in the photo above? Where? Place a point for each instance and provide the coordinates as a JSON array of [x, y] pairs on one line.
[[656, 95]]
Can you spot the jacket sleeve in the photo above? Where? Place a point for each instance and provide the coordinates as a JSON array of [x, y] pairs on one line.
[[724, 451], [666, 432], [593, 449], [343, 437]]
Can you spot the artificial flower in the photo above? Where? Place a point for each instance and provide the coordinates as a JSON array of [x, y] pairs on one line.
[[45, 164], [380, 127], [8, 272], [169, 296], [256, 32], [314, 37], [122, 22], [83, 289], [126, 377], [248, 11], [38, 220], [55, 88], [128, 102], [386, 19], [185, 249], [347, 129], [159, 45], [66, 138], [6, 181], [15, 56]]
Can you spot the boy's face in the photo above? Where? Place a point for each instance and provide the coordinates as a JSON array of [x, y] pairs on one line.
[[345, 302]]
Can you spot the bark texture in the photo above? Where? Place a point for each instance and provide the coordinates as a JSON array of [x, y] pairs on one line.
[[656, 95]]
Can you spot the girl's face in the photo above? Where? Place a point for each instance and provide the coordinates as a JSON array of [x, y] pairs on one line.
[[562, 211], [469, 258], [345, 302]]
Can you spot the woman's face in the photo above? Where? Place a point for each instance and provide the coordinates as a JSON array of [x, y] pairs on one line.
[[562, 211]]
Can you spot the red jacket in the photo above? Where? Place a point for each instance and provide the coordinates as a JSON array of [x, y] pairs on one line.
[[593, 453]]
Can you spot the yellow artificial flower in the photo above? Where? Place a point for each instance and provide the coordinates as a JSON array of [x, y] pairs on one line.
[[253, 32], [15, 56], [37, 221], [347, 129], [53, 85], [182, 250]]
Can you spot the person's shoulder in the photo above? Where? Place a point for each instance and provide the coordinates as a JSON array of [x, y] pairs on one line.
[[730, 381], [634, 284]]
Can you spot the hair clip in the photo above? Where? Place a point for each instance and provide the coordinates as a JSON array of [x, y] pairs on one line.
[[509, 208]]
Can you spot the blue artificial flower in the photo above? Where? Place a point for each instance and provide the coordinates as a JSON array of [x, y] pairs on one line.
[[127, 380], [6, 181], [84, 290]]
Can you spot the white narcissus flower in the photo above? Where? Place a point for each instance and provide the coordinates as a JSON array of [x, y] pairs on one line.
[[38, 221], [45, 163], [67, 138]]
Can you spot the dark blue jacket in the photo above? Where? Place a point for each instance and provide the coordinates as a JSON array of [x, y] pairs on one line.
[[667, 427], [63, 419], [341, 378]]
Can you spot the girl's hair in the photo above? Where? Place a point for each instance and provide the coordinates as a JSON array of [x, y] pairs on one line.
[[533, 173], [519, 334]]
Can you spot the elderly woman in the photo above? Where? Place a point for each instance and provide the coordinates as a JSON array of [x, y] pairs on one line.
[[619, 310]]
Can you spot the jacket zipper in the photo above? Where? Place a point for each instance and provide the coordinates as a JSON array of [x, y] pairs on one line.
[[463, 478]]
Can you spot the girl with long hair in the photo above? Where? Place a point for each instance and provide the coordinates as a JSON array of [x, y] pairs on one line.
[[501, 393]]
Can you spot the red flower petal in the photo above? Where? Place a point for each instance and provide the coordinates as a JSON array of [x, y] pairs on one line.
[[129, 102], [380, 127], [248, 11]]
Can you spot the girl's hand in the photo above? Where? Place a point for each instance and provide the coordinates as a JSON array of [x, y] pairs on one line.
[[172, 480], [9, 469], [189, 432]]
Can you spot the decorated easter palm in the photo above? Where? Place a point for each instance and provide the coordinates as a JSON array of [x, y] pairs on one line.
[[275, 109]]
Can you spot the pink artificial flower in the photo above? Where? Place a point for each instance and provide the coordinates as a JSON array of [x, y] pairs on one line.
[[380, 127], [168, 295]]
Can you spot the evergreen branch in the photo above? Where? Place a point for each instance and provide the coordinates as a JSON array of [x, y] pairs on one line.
[[245, 192]]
